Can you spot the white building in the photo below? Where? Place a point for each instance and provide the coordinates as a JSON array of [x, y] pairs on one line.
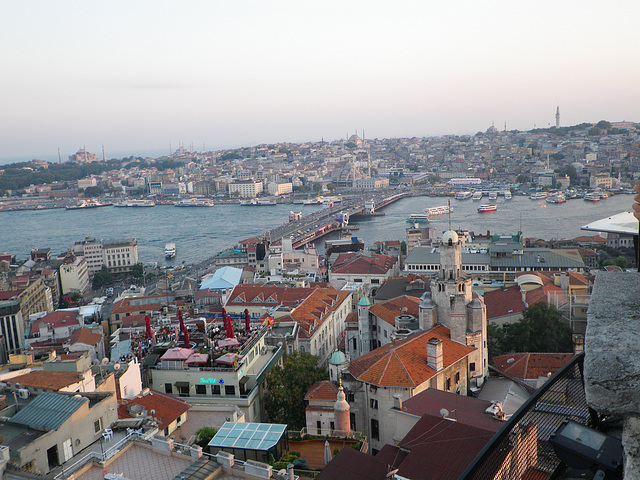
[[74, 276], [117, 255], [279, 188], [245, 189]]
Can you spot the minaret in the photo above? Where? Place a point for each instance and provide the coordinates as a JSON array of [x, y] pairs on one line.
[[363, 325], [558, 116], [341, 410], [104, 159]]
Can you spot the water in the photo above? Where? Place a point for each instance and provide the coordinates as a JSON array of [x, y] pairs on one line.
[[200, 233]]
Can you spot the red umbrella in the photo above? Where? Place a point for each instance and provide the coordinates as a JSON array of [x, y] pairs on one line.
[[186, 338], [147, 321], [229, 329], [246, 318], [180, 318]]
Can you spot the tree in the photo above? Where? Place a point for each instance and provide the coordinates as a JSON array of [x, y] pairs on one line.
[[204, 436], [495, 340], [403, 247], [102, 278], [622, 262], [558, 185], [137, 270], [331, 187], [541, 329], [287, 386], [317, 187], [522, 178]]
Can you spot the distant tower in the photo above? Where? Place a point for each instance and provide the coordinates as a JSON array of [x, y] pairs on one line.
[[341, 411], [104, 159], [558, 116], [363, 325]]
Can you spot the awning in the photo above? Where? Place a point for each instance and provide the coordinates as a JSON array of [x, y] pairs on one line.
[[182, 384], [244, 380]]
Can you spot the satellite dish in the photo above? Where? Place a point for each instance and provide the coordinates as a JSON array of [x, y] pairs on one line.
[[152, 412], [116, 366], [104, 361], [444, 412]]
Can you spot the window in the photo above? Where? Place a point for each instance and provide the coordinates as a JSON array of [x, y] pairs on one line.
[[385, 334], [351, 397], [375, 429], [168, 388], [229, 390], [472, 366], [97, 425], [319, 427], [216, 390], [201, 389], [457, 378], [447, 384], [373, 403], [332, 425]]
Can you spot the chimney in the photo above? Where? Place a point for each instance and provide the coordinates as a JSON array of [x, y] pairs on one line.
[[397, 402], [290, 471], [434, 354]]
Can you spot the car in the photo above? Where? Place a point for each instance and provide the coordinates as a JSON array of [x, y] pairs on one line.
[[109, 291]]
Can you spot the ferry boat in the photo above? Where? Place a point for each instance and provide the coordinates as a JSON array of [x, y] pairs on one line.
[[603, 195], [313, 201], [493, 195], [419, 218], [592, 197], [487, 208], [538, 196], [477, 195], [170, 250], [258, 203], [508, 195], [442, 210], [463, 195], [85, 204], [136, 203], [558, 198], [194, 202], [331, 200]]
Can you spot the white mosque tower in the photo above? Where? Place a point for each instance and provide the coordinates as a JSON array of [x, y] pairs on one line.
[[453, 303], [558, 116]]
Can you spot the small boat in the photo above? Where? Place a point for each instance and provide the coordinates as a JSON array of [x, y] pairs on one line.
[[170, 250], [313, 201], [135, 203], [477, 195], [508, 195], [493, 195], [558, 198], [442, 210], [419, 218], [538, 196], [86, 204], [592, 197], [257, 203], [463, 195], [487, 208], [194, 202]]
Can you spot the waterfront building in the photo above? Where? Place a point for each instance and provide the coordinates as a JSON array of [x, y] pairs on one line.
[[231, 257], [119, 256], [279, 188], [245, 189]]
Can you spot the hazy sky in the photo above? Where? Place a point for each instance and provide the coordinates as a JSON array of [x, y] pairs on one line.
[[139, 75]]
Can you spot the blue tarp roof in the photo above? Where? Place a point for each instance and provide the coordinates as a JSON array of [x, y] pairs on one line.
[[225, 277]]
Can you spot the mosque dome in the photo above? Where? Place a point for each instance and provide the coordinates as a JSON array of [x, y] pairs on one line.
[[449, 235], [364, 301]]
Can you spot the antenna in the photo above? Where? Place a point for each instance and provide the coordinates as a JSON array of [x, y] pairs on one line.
[[449, 202]]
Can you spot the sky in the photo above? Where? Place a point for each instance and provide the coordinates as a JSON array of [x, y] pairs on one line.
[[146, 75]]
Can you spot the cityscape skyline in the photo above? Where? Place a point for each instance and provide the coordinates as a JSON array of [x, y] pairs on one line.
[[137, 78]]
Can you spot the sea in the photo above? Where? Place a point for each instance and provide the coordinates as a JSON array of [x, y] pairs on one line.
[[201, 232]]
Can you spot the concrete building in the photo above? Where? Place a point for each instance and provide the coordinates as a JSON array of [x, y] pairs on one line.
[[119, 256], [11, 322], [282, 188], [74, 276], [245, 189]]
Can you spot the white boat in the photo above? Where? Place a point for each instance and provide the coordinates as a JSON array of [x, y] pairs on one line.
[[313, 201], [538, 196], [419, 218], [442, 210], [487, 208], [508, 195], [592, 197], [136, 203], [170, 250], [329, 200], [86, 204], [257, 203], [463, 195], [477, 195], [493, 195], [557, 198], [194, 202]]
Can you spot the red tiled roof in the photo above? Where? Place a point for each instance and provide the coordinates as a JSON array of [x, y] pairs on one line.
[[389, 310], [503, 302], [351, 464], [167, 408], [353, 263], [85, 335], [59, 318], [323, 390], [267, 295], [404, 364], [531, 366], [314, 310], [47, 379], [9, 294], [134, 320]]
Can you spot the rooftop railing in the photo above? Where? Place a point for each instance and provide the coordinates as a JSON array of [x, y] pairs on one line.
[[521, 448]]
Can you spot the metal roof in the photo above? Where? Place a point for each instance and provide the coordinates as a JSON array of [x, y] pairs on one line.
[[623, 223], [538, 259], [48, 410], [248, 436]]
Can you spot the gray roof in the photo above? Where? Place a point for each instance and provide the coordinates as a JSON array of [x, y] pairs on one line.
[[48, 410], [430, 256], [547, 259]]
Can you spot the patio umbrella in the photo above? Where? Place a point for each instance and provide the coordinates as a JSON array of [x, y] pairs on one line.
[[180, 318], [246, 318], [147, 322], [327, 453], [229, 328], [186, 338]]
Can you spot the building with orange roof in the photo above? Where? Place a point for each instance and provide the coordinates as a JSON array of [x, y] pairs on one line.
[[322, 321], [137, 306], [53, 381], [86, 340], [259, 299], [370, 270], [168, 411], [531, 368]]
